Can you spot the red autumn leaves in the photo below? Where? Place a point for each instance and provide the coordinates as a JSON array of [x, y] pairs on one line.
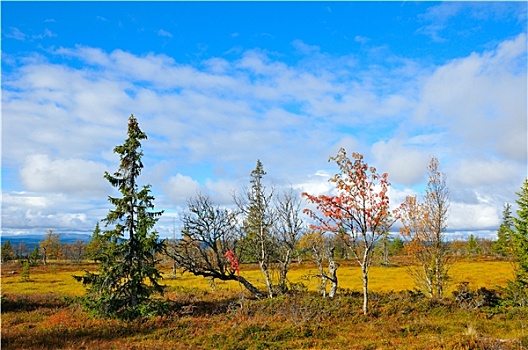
[[362, 199], [231, 257]]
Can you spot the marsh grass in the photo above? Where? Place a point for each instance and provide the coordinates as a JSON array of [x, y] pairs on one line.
[[57, 277], [47, 315]]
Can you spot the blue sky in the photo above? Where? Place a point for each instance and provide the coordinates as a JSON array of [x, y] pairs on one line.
[[218, 85]]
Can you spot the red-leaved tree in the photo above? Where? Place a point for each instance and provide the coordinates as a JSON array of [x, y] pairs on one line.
[[359, 212]]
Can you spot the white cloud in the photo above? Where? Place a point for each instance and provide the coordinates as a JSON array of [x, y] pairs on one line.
[[33, 212], [165, 33], [46, 34], [222, 191], [68, 176], [26, 199], [482, 99], [90, 55], [397, 196], [16, 34], [304, 48], [180, 188], [316, 184], [463, 216], [475, 172], [59, 118], [404, 164], [361, 39], [438, 16], [441, 17]]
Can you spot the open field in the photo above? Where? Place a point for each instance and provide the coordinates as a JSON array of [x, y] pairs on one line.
[[57, 277], [43, 314]]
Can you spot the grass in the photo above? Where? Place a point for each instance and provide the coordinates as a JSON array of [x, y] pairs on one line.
[[58, 278], [44, 314]]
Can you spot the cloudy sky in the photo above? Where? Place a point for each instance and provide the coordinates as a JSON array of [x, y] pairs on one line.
[[217, 86]]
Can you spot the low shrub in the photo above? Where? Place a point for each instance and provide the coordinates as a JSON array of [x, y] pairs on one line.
[[468, 299]]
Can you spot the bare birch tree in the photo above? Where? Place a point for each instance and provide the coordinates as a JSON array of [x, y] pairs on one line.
[[287, 231], [424, 225], [208, 246], [321, 248]]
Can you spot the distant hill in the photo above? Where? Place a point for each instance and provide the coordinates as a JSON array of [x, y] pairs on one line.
[[31, 241]]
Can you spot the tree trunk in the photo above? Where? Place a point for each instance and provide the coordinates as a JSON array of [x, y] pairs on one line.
[[262, 262], [267, 276], [386, 251], [439, 277], [257, 293], [332, 271], [283, 288], [364, 271], [319, 262]]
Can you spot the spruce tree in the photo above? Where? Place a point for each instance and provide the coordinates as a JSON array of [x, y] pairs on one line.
[[520, 234], [127, 276], [472, 247], [94, 248], [259, 216], [34, 257], [7, 252], [503, 245]]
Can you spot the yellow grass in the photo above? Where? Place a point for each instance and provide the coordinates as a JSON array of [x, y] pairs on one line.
[[489, 274], [35, 314], [48, 279], [58, 279]]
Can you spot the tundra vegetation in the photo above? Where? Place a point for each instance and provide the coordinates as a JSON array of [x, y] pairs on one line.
[[255, 275]]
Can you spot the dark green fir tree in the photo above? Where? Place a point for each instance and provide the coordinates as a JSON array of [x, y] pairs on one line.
[[503, 245], [127, 277], [95, 246], [517, 290], [520, 234]]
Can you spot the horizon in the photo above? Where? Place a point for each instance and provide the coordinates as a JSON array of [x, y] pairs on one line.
[[218, 85], [460, 236]]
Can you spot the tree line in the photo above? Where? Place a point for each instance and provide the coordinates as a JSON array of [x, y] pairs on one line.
[[387, 247], [49, 248], [267, 227]]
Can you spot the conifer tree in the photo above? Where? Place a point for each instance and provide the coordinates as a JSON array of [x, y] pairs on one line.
[[520, 235], [256, 205], [503, 245], [472, 247], [94, 248], [517, 290], [7, 252], [127, 276], [34, 257]]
